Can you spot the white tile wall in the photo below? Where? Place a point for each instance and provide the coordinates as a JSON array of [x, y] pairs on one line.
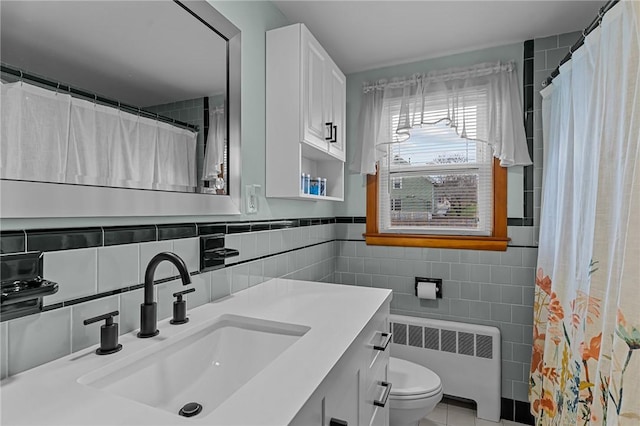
[[220, 283], [37, 339], [189, 250], [483, 287], [118, 266], [202, 295], [75, 271], [130, 302], [147, 251]]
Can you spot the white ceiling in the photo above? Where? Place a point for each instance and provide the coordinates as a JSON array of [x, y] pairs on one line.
[[363, 35], [138, 52]]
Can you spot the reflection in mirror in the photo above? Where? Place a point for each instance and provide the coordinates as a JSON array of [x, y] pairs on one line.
[[121, 94]]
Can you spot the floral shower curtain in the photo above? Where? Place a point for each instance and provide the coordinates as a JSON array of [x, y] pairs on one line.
[[585, 367]]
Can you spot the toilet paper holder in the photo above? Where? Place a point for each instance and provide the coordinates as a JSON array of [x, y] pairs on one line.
[[436, 281]]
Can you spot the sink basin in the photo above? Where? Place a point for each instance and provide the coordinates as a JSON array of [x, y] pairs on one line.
[[206, 366]]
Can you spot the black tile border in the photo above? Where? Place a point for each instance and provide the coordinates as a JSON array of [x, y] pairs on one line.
[[507, 409], [239, 228], [176, 231], [116, 235], [64, 239], [523, 413], [212, 228], [13, 242], [528, 96], [351, 219], [516, 411], [56, 239]]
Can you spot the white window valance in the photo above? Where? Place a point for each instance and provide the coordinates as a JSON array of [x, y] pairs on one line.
[[491, 88], [54, 137]]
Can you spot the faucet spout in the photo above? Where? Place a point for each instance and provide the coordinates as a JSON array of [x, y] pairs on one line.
[[148, 310]]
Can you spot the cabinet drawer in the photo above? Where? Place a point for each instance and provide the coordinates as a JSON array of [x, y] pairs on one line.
[[378, 338], [376, 394], [380, 346], [379, 417]]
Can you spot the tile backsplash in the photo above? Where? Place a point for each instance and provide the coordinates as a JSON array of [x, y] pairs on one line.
[[103, 271]]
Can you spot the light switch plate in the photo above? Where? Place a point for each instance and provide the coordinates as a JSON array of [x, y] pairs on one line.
[[252, 199]]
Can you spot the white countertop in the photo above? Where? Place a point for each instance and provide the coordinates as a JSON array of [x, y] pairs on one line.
[[51, 395]]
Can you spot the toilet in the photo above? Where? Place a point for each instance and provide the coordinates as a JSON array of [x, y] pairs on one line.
[[415, 392]]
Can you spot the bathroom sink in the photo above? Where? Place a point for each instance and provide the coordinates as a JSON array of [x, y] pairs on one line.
[[205, 366]]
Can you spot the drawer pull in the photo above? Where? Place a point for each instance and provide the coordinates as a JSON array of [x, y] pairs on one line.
[[385, 395], [338, 422], [383, 345], [330, 126]]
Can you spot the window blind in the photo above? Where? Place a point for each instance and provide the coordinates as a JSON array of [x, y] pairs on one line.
[[439, 180]]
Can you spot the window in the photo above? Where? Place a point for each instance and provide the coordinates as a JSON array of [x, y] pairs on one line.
[[438, 189]]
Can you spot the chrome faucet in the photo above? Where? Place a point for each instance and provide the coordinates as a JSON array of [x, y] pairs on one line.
[[148, 310]]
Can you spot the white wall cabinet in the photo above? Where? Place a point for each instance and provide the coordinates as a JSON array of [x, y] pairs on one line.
[[306, 115], [351, 389]]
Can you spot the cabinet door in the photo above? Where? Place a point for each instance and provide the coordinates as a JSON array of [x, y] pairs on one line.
[[314, 129], [337, 89], [341, 401]]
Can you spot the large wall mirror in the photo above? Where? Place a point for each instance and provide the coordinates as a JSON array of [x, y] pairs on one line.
[[114, 108]]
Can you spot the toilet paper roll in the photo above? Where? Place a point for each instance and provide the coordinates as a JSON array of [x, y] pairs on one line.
[[427, 290]]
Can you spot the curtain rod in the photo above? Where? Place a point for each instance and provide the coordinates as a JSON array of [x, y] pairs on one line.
[[478, 70], [592, 26], [91, 96]]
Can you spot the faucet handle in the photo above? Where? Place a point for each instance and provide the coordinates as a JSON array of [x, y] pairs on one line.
[[108, 333], [179, 294], [180, 307]]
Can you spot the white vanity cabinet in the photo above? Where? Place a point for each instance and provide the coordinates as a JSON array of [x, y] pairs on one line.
[[351, 389], [306, 115]]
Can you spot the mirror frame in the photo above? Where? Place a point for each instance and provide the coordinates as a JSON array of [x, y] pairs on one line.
[[23, 199]]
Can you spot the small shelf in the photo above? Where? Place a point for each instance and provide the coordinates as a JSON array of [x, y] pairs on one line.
[[317, 197]]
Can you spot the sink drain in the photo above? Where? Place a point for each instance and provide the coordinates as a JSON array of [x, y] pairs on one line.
[[190, 409]]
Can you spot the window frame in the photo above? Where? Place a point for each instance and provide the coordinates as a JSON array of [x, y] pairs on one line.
[[497, 241]]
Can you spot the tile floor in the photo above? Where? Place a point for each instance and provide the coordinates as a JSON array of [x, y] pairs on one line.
[[453, 415]]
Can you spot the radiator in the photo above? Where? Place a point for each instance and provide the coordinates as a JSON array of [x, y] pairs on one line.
[[465, 356]]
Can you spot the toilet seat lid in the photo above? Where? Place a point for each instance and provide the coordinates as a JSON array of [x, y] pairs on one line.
[[410, 379]]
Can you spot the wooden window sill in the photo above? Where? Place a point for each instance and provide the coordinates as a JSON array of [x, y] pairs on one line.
[[466, 242], [496, 242]]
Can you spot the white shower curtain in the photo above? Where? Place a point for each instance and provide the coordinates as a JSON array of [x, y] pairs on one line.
[[53, 137], [585, 367], [22, 105], [216, 143]]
